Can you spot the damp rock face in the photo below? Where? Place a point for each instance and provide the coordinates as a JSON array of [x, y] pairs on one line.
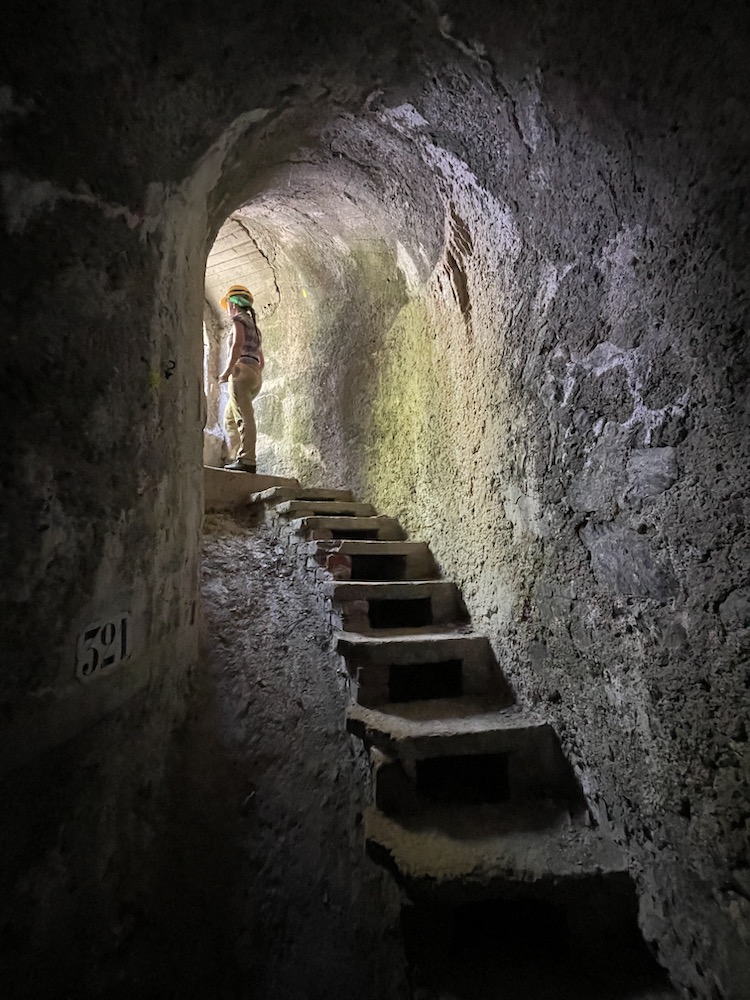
[[510, 252]]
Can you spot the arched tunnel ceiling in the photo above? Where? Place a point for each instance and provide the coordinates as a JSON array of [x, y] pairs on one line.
[[364, 180], [235, 258]]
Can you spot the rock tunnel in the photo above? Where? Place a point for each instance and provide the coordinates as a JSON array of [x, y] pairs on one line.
[[500, 254]]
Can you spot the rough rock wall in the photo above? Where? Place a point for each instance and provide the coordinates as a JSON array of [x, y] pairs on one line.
[[103, 238], [101, 497], [563, 412]]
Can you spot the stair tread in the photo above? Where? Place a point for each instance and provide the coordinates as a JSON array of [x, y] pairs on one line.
[[281, 493], [432, 635], [442, 844], [417, 631], [438, 717], [333, 508], [380, 588]]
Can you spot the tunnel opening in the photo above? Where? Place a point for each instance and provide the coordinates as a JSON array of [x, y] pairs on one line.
[[328, 281], [425, 681], [410, 394]]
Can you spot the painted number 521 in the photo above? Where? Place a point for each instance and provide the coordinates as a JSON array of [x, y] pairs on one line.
[[101, 646]]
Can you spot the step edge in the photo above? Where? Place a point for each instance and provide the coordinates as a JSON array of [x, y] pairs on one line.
[[602, 855]]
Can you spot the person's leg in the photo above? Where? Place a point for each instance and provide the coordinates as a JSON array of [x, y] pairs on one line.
[[231, 428], [244, 386]]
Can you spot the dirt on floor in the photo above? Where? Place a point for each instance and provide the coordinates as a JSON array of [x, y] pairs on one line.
[[266, 888]]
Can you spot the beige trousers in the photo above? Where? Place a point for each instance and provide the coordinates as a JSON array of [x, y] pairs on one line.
[[239, 418]]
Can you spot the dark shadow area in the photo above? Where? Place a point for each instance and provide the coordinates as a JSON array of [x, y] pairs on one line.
[[410, 613], [470, 778], [528, 947], [378, 567], [425, 681], [359, 534], [260, 885]]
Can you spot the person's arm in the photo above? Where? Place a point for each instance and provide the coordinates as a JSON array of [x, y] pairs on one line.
[[238, 339]]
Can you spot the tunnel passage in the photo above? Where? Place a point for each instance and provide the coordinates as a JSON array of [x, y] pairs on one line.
[[386, 567], [510, 249]]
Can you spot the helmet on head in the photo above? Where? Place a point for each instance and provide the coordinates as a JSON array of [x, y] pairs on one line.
[[237, 290]]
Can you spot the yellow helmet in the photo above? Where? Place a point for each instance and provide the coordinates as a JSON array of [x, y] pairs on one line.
[[236, 290]]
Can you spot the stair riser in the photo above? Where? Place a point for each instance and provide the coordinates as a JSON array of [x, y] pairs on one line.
[[381, 529], [521, 775], [371, 616], [382, 681], [415, 565]]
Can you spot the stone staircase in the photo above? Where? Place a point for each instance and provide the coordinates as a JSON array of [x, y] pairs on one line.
[[472, 798]]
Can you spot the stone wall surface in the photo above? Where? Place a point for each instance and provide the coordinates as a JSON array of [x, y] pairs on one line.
[[522, 237]]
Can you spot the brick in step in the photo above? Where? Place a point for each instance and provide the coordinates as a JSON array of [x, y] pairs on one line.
[[421, 667], [381, 605]]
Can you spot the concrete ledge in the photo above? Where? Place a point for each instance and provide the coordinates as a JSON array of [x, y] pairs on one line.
[[225, 489]]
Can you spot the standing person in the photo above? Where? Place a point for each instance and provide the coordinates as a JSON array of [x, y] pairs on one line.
[[243, 372]]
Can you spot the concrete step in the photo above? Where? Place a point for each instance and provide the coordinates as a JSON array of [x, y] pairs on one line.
[[372, 560], [382, 605], [323, 508], [501, 785], [470, 854], [476, 739], [287, 491], [225, 489], [378, 528], [421, 667]]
